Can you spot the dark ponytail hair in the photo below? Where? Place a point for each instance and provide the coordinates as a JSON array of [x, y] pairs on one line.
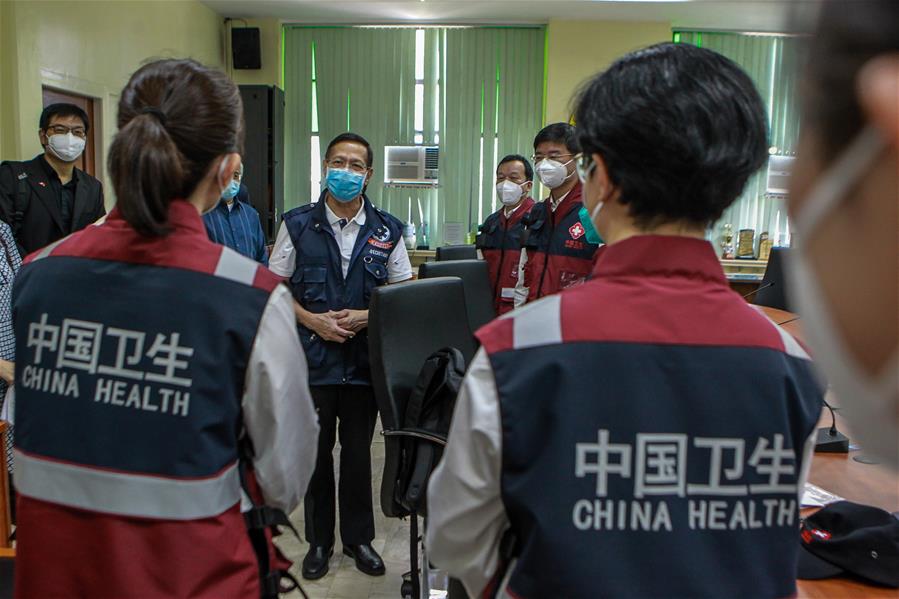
[[175, 118]]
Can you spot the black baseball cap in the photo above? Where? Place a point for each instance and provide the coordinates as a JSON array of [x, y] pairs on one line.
[[850, 538]]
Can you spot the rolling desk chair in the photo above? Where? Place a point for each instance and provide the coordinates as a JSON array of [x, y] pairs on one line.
[[772, 290], [407, 323], [475, 283], [456, 252]]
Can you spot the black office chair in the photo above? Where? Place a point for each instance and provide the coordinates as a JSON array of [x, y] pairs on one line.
[[772, 290], [476, 283], [456, 252], [407, 323]]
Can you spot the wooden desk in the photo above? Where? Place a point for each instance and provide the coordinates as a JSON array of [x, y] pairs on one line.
[[862, 483]]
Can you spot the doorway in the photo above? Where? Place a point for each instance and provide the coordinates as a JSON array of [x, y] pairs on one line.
[[87, 160]]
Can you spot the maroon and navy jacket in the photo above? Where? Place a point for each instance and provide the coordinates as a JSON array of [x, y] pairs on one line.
[[132, 359], [558, 255], [500, 243], [670, 419]]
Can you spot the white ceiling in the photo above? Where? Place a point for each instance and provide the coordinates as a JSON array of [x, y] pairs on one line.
[[740, 15]]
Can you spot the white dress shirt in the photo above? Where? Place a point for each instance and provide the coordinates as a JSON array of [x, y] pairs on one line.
[[283, 261]]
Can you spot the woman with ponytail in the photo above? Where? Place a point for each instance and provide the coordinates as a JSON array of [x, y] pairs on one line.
[[143, 399]]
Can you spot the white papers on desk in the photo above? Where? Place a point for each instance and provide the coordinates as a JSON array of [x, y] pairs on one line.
[[453, 233], [815, 496]]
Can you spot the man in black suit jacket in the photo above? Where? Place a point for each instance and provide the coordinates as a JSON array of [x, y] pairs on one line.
[[47, 198]]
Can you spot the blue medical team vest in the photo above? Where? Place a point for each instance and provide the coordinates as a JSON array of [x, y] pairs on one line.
[[651, 454], [319, 285], [130, 369]]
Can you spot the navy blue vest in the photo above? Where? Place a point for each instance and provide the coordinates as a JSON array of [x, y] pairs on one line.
[[138, 377], [653, 445], [319, 286]]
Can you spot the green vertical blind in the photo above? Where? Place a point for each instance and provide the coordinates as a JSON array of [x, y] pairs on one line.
[[771, 62], [483, 98]]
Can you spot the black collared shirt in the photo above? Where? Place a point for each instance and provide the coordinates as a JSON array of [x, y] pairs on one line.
[[65, 193]]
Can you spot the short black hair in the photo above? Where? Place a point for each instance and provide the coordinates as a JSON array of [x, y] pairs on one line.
[[528, 169], [560, 133], [370, 156], [849, 34], [62, 109], [680, 130]]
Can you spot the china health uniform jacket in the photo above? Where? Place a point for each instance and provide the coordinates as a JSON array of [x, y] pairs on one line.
[[133, 387], [319, 285], [671, 420], [557, 252], [500, 244]]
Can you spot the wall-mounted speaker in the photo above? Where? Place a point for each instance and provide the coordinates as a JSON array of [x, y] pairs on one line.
[[246, 52]]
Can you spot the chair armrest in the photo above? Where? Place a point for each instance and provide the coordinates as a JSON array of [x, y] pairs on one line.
[[417, 433]]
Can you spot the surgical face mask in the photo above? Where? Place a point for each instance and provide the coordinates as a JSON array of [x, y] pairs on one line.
[[345, 185], [871, 402], [509, 193], [586, 218], [231, 191], [66, 147], [553, 173], [592, 235]]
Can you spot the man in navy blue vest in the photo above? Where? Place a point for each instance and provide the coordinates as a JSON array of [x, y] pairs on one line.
[[334, 253], [657, 442]]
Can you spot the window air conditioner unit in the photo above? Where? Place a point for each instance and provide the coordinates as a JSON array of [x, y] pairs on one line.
[[779, 170], [411, 165]]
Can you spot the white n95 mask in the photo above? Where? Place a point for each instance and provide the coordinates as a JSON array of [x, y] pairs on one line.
[[552, 173], [66, 147], [509, 193], [871, 402]]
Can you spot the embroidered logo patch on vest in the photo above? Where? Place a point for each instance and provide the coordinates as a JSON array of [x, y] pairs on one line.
[[576, 231], [380, 244], [382, 233]]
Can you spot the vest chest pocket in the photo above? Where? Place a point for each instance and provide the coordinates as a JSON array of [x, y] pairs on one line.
[[376, 270], [314, 285]]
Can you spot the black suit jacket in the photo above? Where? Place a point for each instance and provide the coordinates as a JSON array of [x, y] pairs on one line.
[[42, 221]]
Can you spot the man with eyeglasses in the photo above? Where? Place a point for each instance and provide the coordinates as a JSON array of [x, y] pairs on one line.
[[47, 198], [334, 252], [559, 245], [235, 223]]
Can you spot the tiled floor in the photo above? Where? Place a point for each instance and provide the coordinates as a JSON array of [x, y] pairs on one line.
[[343, 580]]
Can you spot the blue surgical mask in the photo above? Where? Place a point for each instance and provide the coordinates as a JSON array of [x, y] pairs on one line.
[[231, 190], [345, 185], [592, 236]]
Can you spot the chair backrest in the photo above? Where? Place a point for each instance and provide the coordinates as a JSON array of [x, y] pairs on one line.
[[773, 290], [456, 252], [406, 324], [475, 282]]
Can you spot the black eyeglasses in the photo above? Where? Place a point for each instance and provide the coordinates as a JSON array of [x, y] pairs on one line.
[[550, 156], [355, 166], [63, 130]]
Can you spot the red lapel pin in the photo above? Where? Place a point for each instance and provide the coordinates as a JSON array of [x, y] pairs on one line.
[[42, 184]]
